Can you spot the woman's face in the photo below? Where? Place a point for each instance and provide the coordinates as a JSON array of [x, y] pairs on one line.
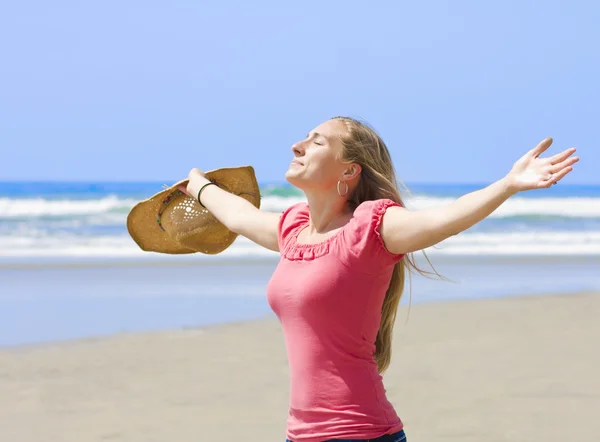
[[317, 160]]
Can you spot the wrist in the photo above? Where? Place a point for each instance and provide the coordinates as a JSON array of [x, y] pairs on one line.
[[508, 186], [195, 184]]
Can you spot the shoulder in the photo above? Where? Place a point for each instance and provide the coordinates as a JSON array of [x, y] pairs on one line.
[[373, 211], [363, 237], [369, 216], [298, 211], [291, 219]]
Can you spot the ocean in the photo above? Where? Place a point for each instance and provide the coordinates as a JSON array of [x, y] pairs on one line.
[[87, 220], [69, 270]]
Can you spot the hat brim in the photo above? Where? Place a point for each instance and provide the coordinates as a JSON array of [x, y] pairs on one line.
[[145, 230]]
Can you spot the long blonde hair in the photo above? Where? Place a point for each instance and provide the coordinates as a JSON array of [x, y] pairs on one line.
[[362, 145]]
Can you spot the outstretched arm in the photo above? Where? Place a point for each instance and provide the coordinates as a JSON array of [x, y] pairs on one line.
[[405, 231]]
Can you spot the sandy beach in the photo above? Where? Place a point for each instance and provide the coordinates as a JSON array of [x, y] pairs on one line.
[[510, 369]]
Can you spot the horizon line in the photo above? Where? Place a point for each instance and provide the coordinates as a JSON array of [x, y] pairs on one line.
[[260, 183]]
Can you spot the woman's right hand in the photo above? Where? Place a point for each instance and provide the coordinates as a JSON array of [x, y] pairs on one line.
[[196, 179]]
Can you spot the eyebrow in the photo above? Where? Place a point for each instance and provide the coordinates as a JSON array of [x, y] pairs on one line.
[[316, 134]]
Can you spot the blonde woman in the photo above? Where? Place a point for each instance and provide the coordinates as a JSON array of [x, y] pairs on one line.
[[344, 254]]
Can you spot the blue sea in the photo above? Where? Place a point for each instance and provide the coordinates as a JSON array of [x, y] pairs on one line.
[[69, 270], [87, 220]]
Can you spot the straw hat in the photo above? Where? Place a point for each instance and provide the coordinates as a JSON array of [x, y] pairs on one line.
[[172, 222]]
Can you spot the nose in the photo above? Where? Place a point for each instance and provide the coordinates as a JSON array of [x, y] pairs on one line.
[[298, 149]]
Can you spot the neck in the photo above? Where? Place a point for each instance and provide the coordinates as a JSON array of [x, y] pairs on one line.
[[328, 210]]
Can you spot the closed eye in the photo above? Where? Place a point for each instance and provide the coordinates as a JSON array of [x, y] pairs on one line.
[[315, 136]]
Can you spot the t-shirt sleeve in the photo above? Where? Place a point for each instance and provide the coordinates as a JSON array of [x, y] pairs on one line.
[[363, 241], [291, 219]]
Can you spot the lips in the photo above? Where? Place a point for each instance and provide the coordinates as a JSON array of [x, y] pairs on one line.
[[297, 162]]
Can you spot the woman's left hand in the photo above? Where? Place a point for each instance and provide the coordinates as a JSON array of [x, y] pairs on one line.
[[533, 172]]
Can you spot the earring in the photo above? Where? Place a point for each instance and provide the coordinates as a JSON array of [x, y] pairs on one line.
[[338, 188]]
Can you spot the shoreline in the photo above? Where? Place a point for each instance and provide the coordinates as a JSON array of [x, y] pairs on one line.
[[270, 317], [192, 260], [63, 302]]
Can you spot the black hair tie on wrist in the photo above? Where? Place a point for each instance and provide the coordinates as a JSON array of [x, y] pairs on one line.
[[202, 188]]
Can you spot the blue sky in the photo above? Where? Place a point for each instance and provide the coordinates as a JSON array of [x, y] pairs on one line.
[[145, 90]]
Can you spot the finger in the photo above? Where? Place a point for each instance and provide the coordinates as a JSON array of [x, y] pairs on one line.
[[555, 177], [541, 147], [566, 163], [562, 155], [182, 187]]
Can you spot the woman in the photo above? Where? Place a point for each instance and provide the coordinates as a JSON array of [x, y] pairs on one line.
[[337, 286]]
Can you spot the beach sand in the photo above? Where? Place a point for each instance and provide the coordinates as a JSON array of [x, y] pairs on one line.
[[508, 369]]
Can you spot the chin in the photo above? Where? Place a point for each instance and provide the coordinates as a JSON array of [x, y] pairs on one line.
[[293, 178]]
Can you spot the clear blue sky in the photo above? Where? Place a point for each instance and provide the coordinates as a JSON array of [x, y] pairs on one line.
[[145, 90]]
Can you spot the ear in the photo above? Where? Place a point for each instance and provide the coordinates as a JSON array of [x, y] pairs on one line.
[[352, 171]]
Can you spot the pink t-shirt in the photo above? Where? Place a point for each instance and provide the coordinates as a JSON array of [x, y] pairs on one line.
[[328, 297]]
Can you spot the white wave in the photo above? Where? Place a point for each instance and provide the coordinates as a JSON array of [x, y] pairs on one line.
[[572, 207], [521, 243], [112, 209], [279, 203], [518, 243], [37, 207]]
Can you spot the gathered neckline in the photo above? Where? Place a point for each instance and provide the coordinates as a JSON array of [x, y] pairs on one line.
[[300, 251], [371, 214]]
